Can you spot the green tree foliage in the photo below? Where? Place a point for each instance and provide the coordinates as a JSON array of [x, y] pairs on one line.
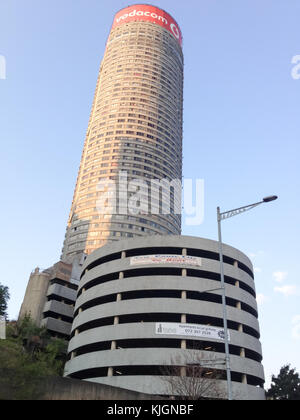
[[285, 386], [27, 357], [4, 297]]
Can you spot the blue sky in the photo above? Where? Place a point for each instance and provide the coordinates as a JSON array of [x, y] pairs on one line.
[[241, 135]]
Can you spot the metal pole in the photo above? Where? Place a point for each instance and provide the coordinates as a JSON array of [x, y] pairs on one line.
[[227, 355]]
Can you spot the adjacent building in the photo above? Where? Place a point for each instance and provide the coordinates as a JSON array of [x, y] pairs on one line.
[[50, 298]]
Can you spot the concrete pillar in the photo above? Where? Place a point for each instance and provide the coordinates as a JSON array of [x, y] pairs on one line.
[[76, 331], [121, 275], [113, 345], [119, 297], [116, 320], [184, 252], [183, 272], [35, 296], [183, 371], [238, 305], [183, 316], [123, 254], [240, 328], [110, 371], [242, 352], [244, 379]]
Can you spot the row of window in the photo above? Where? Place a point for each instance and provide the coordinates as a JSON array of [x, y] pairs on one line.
[[166, 271], [150, 109], [167, 140], [119, 159], [151, 84], [79, 225], [165, 294], [151, 317], [148, 102], [131, 84], [114, 226], [154, 122], [123, 151], [170, 220], [173, 343], [155, 194], [159, 46], [158, 118], [150, 89], [153, 78], [166, 56], [160, 147], [114, 122], [104, 234], [163, 370], [169, 102], [109, 231], [131, 173]]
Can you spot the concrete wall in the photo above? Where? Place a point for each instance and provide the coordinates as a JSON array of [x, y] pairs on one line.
[[73, 389], [35, 295], [57, 326]]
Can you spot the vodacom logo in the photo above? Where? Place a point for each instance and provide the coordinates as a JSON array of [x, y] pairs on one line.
[[150, 14], [175, 30]]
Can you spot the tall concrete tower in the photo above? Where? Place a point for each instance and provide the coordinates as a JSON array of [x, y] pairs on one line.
[[134, 136]]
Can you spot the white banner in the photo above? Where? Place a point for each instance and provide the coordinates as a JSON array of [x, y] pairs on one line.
[[166, 259], [191, 330]]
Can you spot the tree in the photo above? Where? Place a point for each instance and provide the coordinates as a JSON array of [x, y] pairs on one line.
[[4, 297], [193, 377], [285, 386], [28, 356]]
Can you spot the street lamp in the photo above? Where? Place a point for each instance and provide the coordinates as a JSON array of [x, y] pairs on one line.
[[220, 217]]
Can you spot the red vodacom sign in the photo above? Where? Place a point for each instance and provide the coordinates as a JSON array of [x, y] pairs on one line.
[[148, 13]]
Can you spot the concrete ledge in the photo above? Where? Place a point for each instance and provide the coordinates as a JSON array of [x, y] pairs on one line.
[[58, 388], [57, 325]]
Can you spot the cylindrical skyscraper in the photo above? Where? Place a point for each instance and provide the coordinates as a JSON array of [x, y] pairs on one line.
[[134, 136]]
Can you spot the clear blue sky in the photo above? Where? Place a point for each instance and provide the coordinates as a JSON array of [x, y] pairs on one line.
[[241, 135]]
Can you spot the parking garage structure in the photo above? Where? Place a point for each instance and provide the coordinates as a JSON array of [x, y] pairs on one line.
[[133, 290]]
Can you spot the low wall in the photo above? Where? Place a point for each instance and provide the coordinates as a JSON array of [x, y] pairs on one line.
[[58, 388]]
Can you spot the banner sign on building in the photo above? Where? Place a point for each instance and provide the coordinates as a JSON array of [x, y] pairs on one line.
[[166, 259], [147, 13], [190, 330]]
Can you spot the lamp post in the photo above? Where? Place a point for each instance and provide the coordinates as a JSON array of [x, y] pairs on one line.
[[220, 217]]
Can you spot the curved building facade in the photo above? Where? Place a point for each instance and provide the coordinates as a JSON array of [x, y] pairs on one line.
[[134, 133], [144, 305]]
